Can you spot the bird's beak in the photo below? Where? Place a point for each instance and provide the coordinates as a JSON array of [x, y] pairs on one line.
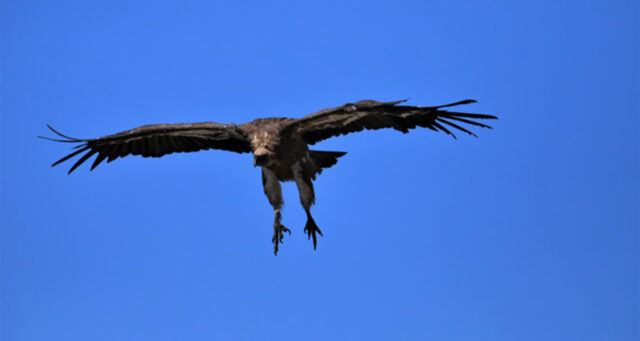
[[261, 157], [261, 160]]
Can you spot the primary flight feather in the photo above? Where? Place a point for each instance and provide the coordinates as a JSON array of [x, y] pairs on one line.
[[280, 145]]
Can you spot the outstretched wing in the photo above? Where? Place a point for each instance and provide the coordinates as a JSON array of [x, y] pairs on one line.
[[368, 114], [156, 140]]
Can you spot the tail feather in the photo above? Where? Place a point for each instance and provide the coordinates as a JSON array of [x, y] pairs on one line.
[[325, 159]]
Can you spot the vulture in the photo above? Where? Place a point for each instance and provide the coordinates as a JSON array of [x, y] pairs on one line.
[[280, 145]]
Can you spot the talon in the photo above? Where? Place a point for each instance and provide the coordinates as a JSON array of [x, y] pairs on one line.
[[311, 229], [278, 236]]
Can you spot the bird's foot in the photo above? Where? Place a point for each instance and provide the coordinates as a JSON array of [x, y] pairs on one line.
[[311, 229], [278, 235]]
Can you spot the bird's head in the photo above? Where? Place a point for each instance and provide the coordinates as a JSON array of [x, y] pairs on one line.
[[263, 157]]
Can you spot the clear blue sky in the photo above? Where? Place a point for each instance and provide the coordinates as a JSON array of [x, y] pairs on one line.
[[529, 232]]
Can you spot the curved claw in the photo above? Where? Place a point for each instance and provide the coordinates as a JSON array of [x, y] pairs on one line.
[[278, 236], [311, 229]]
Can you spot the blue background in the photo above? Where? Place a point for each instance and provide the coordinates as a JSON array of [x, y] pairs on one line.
[[529, 232]]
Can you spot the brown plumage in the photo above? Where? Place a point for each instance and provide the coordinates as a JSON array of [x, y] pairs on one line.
[[280, 146]]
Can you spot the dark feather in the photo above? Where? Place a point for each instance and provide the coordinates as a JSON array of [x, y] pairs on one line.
[[71, 155], [70, 139], [372, 115], [126, 148], [82, 159], [439, 126], [468, 121], [158, 140], [464, 114], [99, 159], [115, 152], [466, 101], [456, 126], [136, 147]]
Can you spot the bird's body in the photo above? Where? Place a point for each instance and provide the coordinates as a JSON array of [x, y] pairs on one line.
[[265, 141], [280, 146]]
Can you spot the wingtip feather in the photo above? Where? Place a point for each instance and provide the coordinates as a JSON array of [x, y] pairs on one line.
[[71, 139], [466, 101]]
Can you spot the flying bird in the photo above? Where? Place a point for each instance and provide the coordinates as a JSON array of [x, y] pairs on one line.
[[280, 145]]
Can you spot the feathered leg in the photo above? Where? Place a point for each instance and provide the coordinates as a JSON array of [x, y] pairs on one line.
[[273, 190], [307, 198]]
